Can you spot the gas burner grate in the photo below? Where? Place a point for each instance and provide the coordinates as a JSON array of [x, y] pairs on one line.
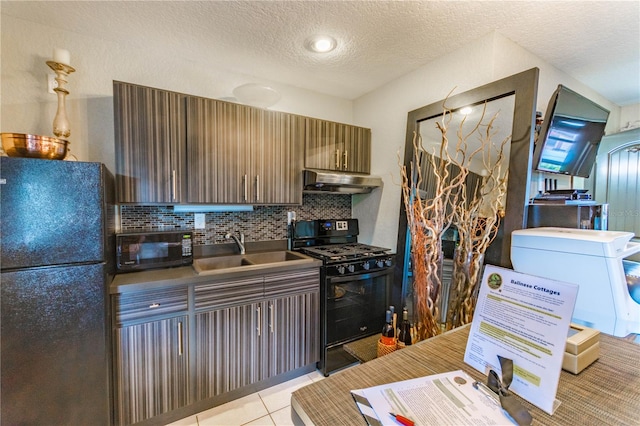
[[349, 251]]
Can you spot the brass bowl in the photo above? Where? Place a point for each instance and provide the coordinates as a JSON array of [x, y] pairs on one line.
[[34, 146]]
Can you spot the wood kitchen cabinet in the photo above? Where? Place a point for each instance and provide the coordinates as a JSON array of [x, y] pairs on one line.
[[337, 147], [245, 336], [242, 155], [151, 367], [228, 324], [173, 148], [283, 158], [149, 144], [293, 307], [181, 348], [229, 349]]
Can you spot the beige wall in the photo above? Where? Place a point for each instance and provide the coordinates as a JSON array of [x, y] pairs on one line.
[[385, 110], [630, 116], [26, 107]]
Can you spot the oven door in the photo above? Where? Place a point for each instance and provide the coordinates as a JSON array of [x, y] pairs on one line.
[[355, 305]]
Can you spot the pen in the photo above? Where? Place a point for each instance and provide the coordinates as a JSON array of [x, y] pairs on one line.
[[402, 419]]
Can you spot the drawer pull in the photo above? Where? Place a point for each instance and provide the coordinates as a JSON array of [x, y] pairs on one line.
[[154, 305], [259, 314], [271, 308], [180, 347]]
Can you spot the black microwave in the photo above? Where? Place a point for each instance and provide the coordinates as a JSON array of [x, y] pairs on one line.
[[150, 250]]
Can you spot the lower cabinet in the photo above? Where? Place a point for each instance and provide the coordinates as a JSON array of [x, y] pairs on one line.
[[293, 307], [240, 345], [151, 368], [228, 349], [185, 345], [294, 329]]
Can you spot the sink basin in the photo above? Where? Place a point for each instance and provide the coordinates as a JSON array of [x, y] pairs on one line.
[[221, 264], [273, 256]]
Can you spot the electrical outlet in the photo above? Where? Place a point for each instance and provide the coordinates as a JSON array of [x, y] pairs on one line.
[[51, 83], [198, 221]]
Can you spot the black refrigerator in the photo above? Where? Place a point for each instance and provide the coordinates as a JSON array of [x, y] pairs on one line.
[[56, 259]]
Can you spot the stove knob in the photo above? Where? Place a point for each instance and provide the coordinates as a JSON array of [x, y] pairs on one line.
[[366, 266], [351, 267], [380, 263], [340, 269], [388, 262]]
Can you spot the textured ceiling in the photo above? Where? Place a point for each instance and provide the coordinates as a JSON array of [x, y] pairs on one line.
[[598, 43]]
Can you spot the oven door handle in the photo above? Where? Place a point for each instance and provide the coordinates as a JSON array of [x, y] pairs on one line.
[[360, 277]]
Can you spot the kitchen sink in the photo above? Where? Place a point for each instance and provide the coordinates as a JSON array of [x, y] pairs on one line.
[[274, 256], [221, 264]]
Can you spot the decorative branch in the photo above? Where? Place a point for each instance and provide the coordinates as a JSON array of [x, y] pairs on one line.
[[474, 209], [477, 219]]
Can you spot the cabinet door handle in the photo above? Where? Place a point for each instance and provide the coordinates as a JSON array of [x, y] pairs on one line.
[[245, 187], [346, 156], [338, 159], [174, 185], [257, 187], [271, 309], [180, 345], [259, 320]]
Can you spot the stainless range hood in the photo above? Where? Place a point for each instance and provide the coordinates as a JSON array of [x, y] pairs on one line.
[[341, 183]]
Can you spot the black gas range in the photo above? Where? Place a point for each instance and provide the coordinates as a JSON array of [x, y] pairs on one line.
[[355, 286], [335, 242], [350, 258]]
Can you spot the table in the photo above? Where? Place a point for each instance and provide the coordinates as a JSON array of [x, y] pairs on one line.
[[605, 393]]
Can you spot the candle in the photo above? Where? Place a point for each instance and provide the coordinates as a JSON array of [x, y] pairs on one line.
[[61, 56]]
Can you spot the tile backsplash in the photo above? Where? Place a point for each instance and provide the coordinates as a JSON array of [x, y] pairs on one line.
[[264, 223]]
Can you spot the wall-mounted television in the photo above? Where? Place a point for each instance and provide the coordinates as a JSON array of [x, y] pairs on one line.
[[570, 134]]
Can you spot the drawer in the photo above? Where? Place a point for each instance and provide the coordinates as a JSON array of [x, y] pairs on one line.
[[284, 284], [229, 293], [148, 304]]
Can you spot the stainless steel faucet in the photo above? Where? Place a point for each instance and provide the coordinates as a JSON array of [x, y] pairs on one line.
[[239, 242]]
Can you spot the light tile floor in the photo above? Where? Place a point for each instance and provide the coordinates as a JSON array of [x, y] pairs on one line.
[[269, 407]]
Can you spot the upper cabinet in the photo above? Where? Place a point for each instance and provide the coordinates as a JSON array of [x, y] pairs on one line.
[[240, 154], [219, 151], [149, 144], [179, 149], [337, 147], [282, 158]]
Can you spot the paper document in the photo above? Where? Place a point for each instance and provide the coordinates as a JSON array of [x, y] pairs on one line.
[[442, 399], [526, 319]]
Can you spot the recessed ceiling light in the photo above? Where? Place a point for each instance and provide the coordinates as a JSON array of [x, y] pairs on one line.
[[320, 44]]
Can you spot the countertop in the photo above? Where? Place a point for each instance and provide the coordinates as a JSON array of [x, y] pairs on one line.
[[605, 393], [186, 275]]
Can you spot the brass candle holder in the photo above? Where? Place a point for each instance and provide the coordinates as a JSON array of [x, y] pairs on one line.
[[60, 121]]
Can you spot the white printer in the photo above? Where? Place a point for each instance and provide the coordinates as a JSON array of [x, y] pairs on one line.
[[592, 259]]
